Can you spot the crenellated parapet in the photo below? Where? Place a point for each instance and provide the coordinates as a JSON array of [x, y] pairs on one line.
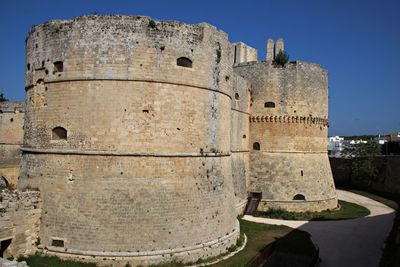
[[290, 119]]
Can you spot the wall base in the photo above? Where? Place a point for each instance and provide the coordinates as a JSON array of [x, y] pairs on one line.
[[299, 205], [144, 258]]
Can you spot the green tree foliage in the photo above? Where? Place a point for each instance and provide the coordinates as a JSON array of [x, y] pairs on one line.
[[368, 149], [362, 167], [281, 59], [2, 97]]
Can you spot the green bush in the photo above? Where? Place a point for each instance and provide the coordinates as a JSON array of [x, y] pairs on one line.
[[152, 24], [3, 98], [281, 59]]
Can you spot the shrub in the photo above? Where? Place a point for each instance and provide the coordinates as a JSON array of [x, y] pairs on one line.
[[152, 24], [3, 98], [281, 59]]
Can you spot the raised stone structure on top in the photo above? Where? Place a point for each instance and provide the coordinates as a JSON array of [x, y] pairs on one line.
[[279, 46], [270, 50]]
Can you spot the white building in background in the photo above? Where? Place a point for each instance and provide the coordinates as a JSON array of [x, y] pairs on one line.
[[335, 146], [395, 137]]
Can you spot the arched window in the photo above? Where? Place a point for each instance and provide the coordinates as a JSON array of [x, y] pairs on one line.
[[269, 105], [58, 66], [299, 197], [59, 133], [184, 62], [256, 146]]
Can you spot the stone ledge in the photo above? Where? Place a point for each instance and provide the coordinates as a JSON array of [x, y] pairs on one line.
[[116, 153], [132, 80]]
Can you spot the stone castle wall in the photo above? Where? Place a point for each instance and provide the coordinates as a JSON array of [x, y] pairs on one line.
[[145, 170], [19, 221], [11, 136], [288, 131], [240, 113]]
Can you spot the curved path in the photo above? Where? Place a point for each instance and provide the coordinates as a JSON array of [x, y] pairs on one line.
[[354, 243]]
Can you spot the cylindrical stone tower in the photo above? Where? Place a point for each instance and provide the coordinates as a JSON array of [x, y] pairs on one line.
[[288, 136], [127, 136]]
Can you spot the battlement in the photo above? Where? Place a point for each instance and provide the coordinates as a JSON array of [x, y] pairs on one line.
[[12, 107]]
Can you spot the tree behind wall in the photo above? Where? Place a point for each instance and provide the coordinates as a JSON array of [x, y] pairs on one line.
[[363, 168], [281, 59], [2, 97]]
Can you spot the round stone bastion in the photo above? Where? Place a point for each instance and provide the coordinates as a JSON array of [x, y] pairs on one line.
[[288, 132], [126, 138]]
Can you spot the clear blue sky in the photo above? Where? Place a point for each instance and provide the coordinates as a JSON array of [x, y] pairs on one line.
[[357, 41]]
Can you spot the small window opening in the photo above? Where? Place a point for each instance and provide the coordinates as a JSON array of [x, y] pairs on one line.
[[28, 66], [184, 62], [3, 246], [269, 105], [237, 96], [58, 66], [301, 172], [145, 111], [299, 197], [57, 243], [59, 133], [244, 136], [12, 119], [256, 146]]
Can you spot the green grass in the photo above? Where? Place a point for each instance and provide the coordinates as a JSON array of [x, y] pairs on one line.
[[39, 260], [347, 211], [387, 202], [258, 237]]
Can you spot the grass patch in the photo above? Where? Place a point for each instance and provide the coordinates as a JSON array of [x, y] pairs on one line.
[[258, 237], [39, 260], [387, 202], [347, 211]]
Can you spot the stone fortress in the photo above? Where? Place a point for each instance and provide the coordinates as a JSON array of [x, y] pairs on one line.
[[145, 139]]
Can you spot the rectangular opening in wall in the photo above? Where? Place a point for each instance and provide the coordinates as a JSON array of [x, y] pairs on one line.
[[58, 66], [4, 244], [57, 243]]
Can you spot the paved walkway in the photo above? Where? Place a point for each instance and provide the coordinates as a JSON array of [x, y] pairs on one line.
[[354, 243]]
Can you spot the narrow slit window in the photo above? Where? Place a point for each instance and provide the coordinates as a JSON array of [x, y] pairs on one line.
[[184, 62], [269, 105], [59, 133], [58, 66], [57, 243], [299, 197], [237, 96], [256, 146]]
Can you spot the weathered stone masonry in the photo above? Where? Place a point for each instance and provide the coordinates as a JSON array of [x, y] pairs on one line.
[[130, 149], [288, 128], [11, 136], [144, 139]]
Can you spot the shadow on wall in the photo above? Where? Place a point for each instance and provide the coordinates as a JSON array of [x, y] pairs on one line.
[[387, 180]]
